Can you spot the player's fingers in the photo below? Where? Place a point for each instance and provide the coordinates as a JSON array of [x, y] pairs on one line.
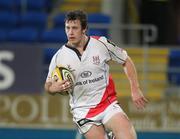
[[62, 86], [137, 104], [63, 81], [146, 100], [60, 83], [141, 103], [66, 86], [69, 84]]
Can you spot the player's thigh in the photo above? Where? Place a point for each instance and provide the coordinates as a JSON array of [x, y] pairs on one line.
[[95, 132], [121, 126]]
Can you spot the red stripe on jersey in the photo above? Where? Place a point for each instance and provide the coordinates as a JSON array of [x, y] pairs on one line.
[[107, 99], [96, 37]]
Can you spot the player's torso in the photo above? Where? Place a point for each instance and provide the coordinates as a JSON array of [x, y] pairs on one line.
[[90, 71]]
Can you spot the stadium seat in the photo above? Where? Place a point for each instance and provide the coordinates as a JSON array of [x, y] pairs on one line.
[[98, 18], [55, 35], [58, 20], [33, 5], [152, 74], [37, 20], [23, 35], [3, 35], [8, 20], [174, 67], [6, 5], [48, 54], [37, 5], [98, 32]]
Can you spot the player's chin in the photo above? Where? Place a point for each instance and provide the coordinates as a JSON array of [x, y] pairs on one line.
[[73, 41]]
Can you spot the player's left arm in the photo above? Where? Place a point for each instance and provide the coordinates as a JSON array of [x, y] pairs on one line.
[[137, 96], [120, 55]]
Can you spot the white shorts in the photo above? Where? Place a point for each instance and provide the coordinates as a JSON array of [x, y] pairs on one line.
[[85, 124]]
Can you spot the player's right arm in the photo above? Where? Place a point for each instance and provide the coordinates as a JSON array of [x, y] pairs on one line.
[[53, 86]]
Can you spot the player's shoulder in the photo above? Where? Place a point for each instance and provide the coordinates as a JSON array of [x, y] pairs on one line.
[[100, 38], [62, 48], [106, 41], [95, 41]]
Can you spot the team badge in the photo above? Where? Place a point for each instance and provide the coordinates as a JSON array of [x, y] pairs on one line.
[[96, 60]]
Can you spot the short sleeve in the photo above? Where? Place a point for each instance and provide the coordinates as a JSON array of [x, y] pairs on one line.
[[117, 54]]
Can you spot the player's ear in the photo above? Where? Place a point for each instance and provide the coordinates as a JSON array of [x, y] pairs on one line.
[[84, 31]]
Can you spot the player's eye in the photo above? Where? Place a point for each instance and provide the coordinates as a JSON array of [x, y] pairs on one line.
[[75, 28], [67, 28]]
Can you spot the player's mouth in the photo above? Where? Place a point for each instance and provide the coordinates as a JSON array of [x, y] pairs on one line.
[[71, 38]]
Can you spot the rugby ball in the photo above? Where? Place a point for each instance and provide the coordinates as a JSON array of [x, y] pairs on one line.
[[61, 73]]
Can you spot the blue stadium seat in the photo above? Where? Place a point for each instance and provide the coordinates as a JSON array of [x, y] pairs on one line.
[[37, 5], [33, 5], [55, 35], [48, 54], [6, 5], [37, 20], [174, 62], [58, 20], [98, 18], [98, 32], [3, 35], [8, 20], [23, 35]]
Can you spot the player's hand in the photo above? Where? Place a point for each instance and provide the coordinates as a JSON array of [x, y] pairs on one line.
[[138, 99], [60, 86], [66, 85]]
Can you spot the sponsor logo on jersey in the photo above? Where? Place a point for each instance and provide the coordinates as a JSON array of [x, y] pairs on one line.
[[90, 81], [86, 74]]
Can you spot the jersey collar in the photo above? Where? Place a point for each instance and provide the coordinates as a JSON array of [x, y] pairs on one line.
[[76, 50]]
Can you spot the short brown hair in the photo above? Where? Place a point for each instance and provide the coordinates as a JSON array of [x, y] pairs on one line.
[[77, 15]]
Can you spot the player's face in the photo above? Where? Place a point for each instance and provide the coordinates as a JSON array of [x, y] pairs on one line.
[[74, 31]]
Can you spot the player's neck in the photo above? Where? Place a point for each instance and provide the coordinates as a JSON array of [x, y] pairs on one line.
[[81, 44]]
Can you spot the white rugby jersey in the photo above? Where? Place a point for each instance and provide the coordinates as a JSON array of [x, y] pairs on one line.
[[93, 88]]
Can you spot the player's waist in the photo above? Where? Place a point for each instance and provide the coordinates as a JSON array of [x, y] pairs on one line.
[[88, 105]]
